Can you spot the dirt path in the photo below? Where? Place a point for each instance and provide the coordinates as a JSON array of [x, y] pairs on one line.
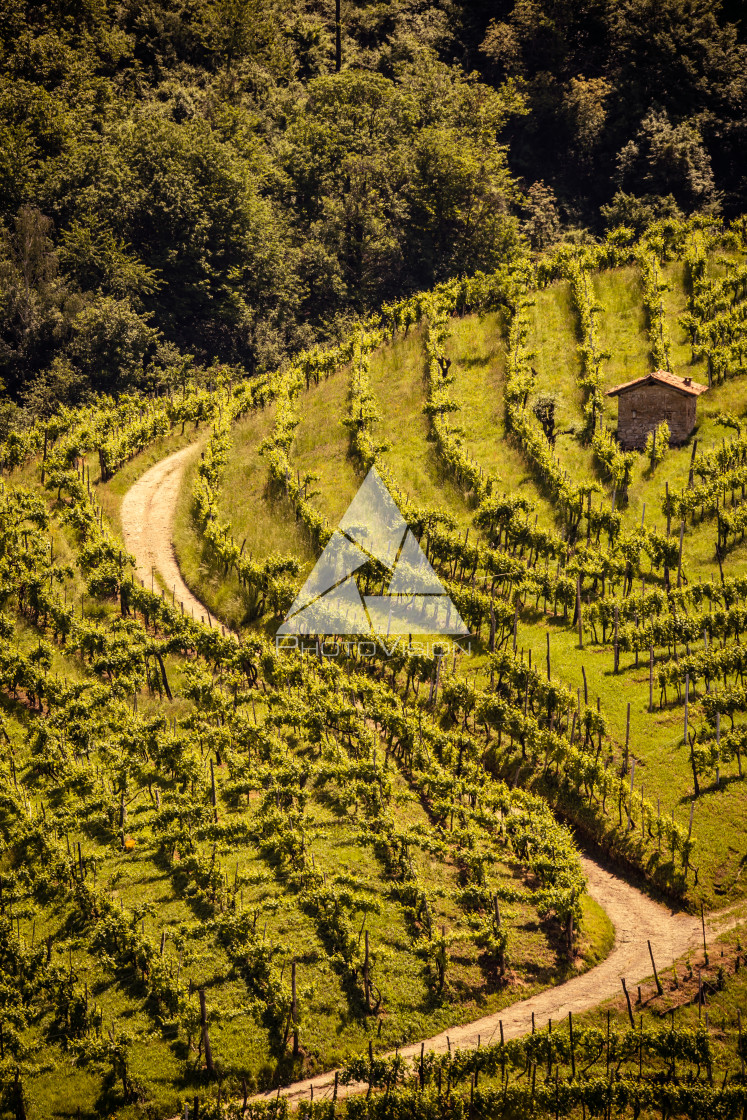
[[147, 515], [637, 920], [147, 519]]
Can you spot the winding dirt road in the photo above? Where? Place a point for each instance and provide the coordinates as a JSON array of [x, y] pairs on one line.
[[147, 515], [637, 920], [148, 518]]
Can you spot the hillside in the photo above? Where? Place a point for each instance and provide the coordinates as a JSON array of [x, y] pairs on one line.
[[476, 345], [352, 850], [373, 720]]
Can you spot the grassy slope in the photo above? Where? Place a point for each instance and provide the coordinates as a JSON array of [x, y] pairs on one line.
[[255, 518], [656, 738], [321, 438], [329, 1027], [477, 350], [720, 824], [397, 380], [554, 340], [478, 353]]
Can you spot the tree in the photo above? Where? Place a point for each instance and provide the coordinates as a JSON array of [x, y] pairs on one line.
[[460, 204], [196, 214], [34, 307], [95, 258], [586, 104], [59, 385], [112, 344], [543, 220], [667, 159], [346, 159], [637, 214], [544, 409], [678, 54]]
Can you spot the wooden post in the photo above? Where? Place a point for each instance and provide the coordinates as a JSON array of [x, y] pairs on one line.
[[366, 981], [617, 650], [651, 679], [669, 515], [687, 705], [679, 559], [370, 1069], [627, 740], [659, 988], [586, 688], [578, 611], [548, 654], [205, 1035], [630, 1009], [294, 1009]]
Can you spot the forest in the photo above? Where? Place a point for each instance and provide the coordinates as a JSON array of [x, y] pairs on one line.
[[195, 181]]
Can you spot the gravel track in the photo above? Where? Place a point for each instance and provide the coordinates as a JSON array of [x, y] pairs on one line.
[[147, 515], [637, 920]]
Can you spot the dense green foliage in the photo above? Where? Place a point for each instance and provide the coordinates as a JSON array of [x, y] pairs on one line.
[[199, 179]]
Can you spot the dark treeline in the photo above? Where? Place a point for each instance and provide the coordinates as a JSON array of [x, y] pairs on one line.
[[198, 178]]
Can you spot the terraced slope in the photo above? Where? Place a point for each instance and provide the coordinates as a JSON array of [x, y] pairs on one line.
[[476, 345], [381, 825]]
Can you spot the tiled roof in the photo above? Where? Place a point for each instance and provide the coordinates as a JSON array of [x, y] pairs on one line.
[[663, 377]]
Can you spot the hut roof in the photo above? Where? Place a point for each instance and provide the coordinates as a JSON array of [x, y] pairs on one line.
[[684, 385]]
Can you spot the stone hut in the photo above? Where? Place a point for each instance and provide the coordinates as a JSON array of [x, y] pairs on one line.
[[644, 403]]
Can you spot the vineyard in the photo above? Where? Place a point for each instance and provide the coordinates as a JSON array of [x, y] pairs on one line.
[[229, 865]]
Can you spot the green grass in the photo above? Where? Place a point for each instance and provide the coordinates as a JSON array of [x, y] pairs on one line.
[[397, 381], [257, 519], [331, 1030], [599, 932], [321, 437], [662, 762], [477, 350], [553, 338], [680, 1005]]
